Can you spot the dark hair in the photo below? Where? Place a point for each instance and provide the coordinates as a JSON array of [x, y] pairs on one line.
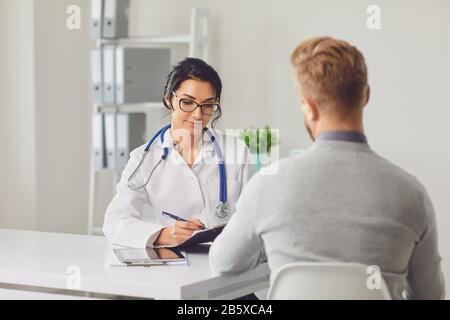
[[195, 69]]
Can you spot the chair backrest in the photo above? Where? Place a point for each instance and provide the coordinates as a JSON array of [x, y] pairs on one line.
[[326, 281]]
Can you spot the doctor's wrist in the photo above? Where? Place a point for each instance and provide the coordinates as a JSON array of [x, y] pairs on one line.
[[163, 237]]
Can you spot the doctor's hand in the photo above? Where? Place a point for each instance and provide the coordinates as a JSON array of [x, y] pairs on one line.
[[179, 233]]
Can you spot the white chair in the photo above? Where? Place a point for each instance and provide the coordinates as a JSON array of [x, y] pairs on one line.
[[326, 281]]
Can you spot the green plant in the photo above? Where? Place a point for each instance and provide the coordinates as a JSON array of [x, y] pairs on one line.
[[259, 140]]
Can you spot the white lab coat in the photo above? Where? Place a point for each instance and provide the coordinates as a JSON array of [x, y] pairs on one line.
[[175, 188]]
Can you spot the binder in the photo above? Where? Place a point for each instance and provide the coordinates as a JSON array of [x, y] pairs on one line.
[[124, 132], [109, 89], [130, 135], [115, 19], [140, 74], [96, 18], [96, 76], [97, 141], [110, 140]]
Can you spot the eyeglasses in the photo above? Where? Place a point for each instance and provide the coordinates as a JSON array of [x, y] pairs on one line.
[[188, 105]]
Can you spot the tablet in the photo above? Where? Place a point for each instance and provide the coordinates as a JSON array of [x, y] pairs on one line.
[[149, 256]]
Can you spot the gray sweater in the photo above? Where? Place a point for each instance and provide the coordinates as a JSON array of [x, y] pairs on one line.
[[338, 201]]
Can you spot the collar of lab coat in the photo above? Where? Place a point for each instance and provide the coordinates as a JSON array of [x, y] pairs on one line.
[[208, 145]]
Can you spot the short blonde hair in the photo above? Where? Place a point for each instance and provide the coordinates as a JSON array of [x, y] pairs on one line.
[[331, 72]]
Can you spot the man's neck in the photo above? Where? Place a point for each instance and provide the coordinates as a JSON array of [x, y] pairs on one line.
[[339, 126]]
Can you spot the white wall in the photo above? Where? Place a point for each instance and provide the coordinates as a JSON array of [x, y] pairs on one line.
[[18, 171], [45, 117], [407, 118], [62, 116]]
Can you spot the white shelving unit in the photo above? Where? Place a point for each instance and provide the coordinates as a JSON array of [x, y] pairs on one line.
[[197, 42]]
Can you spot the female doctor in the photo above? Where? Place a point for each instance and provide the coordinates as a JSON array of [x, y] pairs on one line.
[[186, 169]]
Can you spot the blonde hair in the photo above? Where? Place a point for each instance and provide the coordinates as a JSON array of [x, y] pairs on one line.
[[330, 71]]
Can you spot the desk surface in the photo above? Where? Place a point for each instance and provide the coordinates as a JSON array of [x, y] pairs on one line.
[[45, 259]]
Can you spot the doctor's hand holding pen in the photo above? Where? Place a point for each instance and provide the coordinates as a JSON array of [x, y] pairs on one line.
[[180, 232]]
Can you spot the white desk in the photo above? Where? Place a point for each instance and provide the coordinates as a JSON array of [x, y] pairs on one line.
[[41, 259]]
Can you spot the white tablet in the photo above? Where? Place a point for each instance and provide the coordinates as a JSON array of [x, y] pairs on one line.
[[149, 256]]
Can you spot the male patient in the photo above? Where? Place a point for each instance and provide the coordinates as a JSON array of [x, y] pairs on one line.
[[338, 201]]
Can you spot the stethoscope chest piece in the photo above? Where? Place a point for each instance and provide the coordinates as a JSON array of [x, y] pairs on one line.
[[221, 210]]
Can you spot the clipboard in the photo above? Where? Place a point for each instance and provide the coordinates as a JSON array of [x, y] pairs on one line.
[[198, 237]]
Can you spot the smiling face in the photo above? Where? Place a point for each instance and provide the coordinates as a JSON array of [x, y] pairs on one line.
[[195, 90]]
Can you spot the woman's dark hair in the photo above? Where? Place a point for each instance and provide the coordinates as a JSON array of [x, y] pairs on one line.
[[195, 69]]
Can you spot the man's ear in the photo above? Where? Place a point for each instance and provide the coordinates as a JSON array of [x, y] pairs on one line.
[[367, 95], [309, 108]]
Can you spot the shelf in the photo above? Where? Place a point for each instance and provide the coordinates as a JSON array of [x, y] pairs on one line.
[[197, 43]]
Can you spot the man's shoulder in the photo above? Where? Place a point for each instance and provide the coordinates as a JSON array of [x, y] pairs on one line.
[[296, 159], [399, 173], [283, 168], [303, 160]]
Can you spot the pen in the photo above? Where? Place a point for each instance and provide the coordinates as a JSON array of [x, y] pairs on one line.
[[177, 218]]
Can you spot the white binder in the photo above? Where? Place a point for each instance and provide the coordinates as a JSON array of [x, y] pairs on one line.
[[130, 135], [109, 88], [123, 143], [110, 139], [140, 74], [96, 18], [115, 19], [97, 140], [96, 76]]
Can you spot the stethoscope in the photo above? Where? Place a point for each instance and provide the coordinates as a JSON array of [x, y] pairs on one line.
[[221, 208]]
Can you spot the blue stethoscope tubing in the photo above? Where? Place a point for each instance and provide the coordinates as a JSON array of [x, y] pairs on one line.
[[221, 208]]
